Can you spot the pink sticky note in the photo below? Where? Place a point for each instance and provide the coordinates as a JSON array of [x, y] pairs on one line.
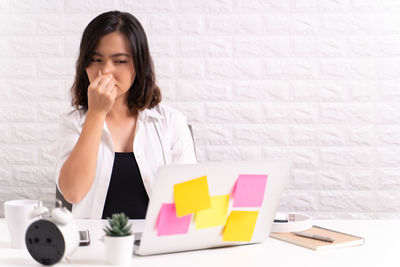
[[169, 224], [249, 190]]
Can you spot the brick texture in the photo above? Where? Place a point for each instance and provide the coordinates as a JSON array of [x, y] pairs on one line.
[[317, 82]]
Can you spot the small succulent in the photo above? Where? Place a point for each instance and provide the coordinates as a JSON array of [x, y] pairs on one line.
[[118, 225]]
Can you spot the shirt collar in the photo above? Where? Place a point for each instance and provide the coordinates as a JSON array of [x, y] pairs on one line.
[[149, 113]]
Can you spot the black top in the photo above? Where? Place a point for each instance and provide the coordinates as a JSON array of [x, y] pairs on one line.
[[126, 192]]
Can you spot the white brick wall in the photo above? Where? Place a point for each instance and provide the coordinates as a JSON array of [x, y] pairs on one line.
[[317, 81]]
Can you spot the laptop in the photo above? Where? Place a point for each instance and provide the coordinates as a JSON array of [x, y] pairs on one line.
[[222, 179]]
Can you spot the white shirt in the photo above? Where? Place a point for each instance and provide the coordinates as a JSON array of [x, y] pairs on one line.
[[162, 137]]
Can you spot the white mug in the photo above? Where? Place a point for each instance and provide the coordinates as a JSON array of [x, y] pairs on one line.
[[18, 218]]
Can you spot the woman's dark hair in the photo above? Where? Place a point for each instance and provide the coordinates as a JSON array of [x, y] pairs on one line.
[[144, 93]]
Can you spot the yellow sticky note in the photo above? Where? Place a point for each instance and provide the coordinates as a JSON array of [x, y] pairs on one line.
[[214, 216], [240, 225], [191, 196]]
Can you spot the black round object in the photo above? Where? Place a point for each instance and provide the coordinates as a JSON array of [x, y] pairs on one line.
[[45, 242]]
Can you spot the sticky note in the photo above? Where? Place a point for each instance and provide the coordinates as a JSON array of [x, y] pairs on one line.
[[240, 226], [216, 215], [169, 224], [191, 196], [249, 190]]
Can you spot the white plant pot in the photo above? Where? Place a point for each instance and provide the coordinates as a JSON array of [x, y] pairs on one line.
[[119, 249]]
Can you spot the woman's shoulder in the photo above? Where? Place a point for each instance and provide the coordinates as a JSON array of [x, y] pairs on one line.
[[74, 117]]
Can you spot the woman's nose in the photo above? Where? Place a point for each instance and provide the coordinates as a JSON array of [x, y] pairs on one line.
[[107, 68]]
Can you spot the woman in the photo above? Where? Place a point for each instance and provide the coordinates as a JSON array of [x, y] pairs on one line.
[[112, 144]]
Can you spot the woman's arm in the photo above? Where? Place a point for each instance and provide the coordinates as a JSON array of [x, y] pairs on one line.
[[182, 148], [78, 171]]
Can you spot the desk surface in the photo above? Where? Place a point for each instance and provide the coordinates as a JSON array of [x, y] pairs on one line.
[[381, 247]]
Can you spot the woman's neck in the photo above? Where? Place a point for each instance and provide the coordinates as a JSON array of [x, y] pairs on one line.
[[120, 110]]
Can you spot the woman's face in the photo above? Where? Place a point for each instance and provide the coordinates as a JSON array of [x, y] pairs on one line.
[[112, 56]]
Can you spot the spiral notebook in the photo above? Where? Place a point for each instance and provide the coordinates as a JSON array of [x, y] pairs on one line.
[[341, 239]]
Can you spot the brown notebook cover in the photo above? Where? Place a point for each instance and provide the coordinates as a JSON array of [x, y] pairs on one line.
[[341, 239]]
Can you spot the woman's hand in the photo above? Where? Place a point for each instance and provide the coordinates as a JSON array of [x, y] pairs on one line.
[[101, 94]]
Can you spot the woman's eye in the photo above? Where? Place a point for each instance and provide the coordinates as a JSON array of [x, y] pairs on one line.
[[121, 61], [95, 60]]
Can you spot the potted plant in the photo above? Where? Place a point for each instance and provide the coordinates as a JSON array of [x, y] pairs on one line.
[[118, 239]]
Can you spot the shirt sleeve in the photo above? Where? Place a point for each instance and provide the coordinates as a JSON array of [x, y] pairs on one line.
[[68, 134], [182, 145]]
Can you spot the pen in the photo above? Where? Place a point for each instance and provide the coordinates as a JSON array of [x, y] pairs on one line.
[[318, 237], [280, 221]]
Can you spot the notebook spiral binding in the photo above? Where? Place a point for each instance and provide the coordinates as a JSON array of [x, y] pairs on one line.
[[338, 232]]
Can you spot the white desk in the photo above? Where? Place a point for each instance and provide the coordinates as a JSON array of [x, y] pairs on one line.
[[382, 247]]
